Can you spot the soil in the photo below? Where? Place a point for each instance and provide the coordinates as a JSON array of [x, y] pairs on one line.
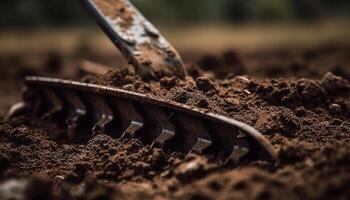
[[117, 9], [304, 113]]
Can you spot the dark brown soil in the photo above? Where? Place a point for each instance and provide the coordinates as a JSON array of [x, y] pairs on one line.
[[306, 119]]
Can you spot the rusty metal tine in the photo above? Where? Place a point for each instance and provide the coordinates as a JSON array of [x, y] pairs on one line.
[[162, 129], [54, 100], [103, 112], [78, 114], [240, 146], [131, 120], [75, 102], [196, 136], [34, 100], [230, 140], [16, 109], [240, 149], [224, 137]]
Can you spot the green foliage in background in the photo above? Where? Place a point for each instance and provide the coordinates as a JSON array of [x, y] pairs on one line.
[[181, 10], [243, 10], [21, 13], [31, 13], [258, 10]]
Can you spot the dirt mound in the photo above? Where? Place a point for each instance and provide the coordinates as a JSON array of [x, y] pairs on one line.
[[306, 120]]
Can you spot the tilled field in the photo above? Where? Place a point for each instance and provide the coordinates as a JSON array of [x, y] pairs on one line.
[[300, 100]]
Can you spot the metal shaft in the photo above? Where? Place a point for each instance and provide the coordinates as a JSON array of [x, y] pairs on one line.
[[137, 39]]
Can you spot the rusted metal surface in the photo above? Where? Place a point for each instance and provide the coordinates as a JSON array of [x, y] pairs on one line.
[[154, 121], [138, 40]]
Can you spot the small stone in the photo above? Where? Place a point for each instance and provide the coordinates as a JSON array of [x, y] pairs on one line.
[[336, 122], [137, 84], [151, 174], [168, 82], [203, 103], [204, 84], [243, 79], [59, 178], [182, 96], [300, 112], [247, 91], [129, 87], [335, 108]]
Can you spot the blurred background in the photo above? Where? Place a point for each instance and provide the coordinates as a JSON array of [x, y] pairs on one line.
[[194, 24], [34, 13]]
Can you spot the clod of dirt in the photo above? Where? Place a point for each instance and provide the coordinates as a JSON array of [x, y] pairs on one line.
[[293, 151], [181, 96], [204, 84], [121, 161], [79, 172], [281, 121], [116, 78], [203, 103], [310, 90], [194, 168], [333, 83], [168, 82]]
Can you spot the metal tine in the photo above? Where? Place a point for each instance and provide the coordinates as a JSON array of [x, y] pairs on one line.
[[162, 130], [240, 149], [34, 99], [54, 101], [77, 115], [196, 137], [231, 140], [16, 110], [131, 120], [102, 113], [74, 100], [37, 107]]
